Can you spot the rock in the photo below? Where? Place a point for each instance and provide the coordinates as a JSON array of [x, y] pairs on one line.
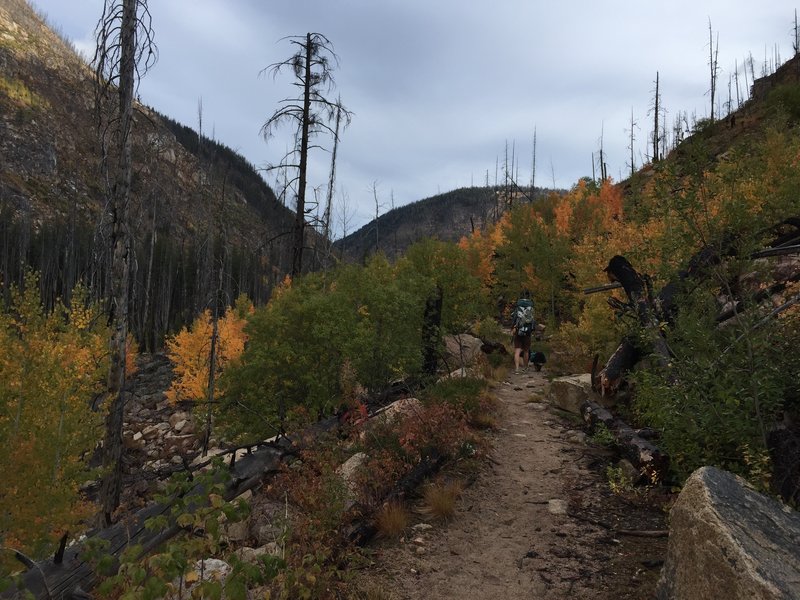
[[150, 432], [629, 471], [422, 527], [347, 471], [461, 349], [397, 409], [178, 417], [180, 425], [459, 373], [536, 406], [568, 393], [252, 555], [557, 507], [728, 541], [576, 437], [209, 569], [237, 532]]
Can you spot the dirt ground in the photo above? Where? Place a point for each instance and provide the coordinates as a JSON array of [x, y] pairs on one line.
[[539, 521]]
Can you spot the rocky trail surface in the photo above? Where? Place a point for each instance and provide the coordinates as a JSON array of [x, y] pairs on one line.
[[538, 522]]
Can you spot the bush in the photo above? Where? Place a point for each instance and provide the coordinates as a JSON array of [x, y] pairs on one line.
[[724, 391], [358, 320], [462, 393]]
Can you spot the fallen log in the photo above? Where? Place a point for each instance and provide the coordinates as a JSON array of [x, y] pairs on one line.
[[70, 573], [644, 455]]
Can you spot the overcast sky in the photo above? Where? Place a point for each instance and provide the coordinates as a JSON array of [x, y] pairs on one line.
[[438, 87]]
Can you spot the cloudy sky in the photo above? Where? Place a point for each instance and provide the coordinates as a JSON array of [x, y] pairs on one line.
[[438, 87]]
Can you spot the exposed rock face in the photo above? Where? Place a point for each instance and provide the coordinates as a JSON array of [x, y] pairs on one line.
[[728, 541], [568, 393]]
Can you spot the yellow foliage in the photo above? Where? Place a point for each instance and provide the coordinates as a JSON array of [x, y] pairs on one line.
[[190, 351], [51, 365]]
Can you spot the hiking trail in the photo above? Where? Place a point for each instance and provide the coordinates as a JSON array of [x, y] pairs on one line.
[[539, 521]]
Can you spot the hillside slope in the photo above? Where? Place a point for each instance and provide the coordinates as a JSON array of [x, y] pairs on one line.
[[195, 202], [447, 217]]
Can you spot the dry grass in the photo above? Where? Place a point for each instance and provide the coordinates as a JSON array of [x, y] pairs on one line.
[[392, 520], [372, 591], [440, 500], [483, 420]]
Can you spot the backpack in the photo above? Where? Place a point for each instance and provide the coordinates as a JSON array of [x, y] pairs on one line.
[[523, 316]]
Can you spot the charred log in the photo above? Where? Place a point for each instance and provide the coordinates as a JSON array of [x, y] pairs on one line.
[[644, 455]]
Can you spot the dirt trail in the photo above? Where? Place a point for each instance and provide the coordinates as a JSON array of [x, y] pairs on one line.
[[528, 526]]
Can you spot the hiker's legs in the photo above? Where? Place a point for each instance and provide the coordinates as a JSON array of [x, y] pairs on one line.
[[525, 350], [518, 346]]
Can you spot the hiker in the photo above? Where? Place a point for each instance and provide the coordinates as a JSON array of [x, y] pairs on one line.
[[521, 329]]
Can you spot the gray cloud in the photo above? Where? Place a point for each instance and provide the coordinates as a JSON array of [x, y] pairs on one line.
[[439, 87]]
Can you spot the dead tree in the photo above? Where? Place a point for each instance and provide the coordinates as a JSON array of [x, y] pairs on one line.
[[652, 311], [656, 112], [311, 112], [713, 60], [125, 49]]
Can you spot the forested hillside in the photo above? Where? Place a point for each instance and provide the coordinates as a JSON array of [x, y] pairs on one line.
[[446, 217], [195, 201]]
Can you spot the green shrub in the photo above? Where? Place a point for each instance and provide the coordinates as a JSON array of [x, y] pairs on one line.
[[723, 392]]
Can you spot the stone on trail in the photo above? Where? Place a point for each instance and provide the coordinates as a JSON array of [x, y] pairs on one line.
[[557, 507], [728, 541], [568, 393]]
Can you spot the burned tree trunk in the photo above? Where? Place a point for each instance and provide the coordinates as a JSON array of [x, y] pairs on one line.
[[431, 332], [640, 302]]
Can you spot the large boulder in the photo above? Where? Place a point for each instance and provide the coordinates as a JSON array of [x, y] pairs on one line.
[[462, 349], [569, 393], [728, 541]]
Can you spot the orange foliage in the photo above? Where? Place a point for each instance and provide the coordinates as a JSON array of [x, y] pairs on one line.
[[479, 250], [190, 352]]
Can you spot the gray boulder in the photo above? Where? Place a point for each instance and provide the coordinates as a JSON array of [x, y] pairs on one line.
[[728, 541], [462, 349], [568, 393]]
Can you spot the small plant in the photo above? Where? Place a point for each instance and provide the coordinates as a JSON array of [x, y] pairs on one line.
[[618, 482], [603, 435], [392, 519], [440, 500]]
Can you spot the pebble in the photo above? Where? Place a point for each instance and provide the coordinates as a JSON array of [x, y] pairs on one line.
[[557, 507]]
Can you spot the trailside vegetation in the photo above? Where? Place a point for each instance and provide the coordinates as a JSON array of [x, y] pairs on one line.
[[52, 365]]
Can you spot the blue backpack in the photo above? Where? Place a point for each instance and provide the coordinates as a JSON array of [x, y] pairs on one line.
[[523, 316]]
